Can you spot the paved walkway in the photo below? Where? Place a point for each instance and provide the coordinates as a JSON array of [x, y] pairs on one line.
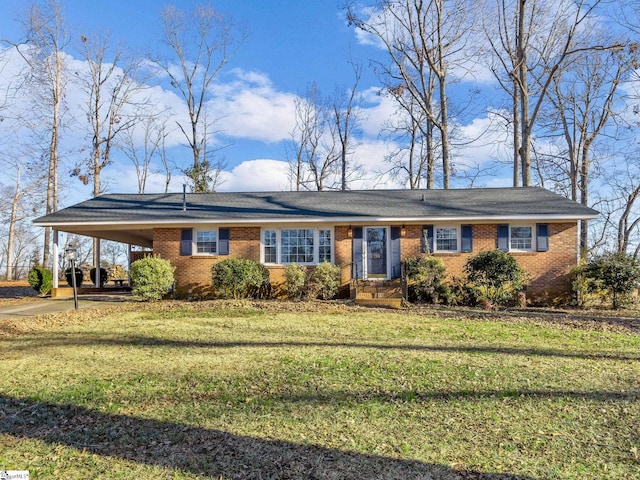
[[53, 305]]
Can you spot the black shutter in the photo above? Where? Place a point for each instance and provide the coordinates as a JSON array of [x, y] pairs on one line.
[[467, 238], [357, 252], [542, 237], [503, 238], [427, 239], [186, 241], [223, 241], [395, 252]]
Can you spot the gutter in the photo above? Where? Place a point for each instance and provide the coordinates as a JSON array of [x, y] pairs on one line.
[[333, 220]]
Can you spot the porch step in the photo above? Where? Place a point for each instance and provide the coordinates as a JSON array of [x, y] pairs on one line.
[[380, 294], [380, 302]]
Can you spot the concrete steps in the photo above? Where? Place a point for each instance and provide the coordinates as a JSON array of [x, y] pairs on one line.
[[379, 294]]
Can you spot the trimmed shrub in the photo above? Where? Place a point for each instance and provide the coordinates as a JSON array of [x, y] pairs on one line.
[[324, 281], [497, 277], [461, 292], [41, 280], [151, 278], [579, 285], [425, 277], [69, 278], [240, 278], [103, 276], [294, 280], [616, 275]]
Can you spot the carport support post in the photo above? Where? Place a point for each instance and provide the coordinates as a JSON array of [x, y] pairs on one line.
[[54, 266], [96, 259], [71, 256]]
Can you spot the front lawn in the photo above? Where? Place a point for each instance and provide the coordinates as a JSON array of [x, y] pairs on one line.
[[182, 391]]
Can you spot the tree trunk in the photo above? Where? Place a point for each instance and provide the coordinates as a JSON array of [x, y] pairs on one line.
[[516, 135], [12, 228], [526, 126]]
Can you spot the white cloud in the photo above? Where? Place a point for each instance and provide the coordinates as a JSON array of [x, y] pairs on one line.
[[249, 107], [379, 111], [486, 139], [261, 175]]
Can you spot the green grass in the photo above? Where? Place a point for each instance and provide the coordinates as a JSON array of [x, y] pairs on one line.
[[181, 392]]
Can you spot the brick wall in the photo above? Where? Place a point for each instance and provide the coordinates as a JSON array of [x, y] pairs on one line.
[[548, 271], [193, 272]]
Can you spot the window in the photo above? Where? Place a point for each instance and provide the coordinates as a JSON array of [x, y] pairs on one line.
[[324, 246], [297, 245], [446, 239], [270, 246], [206, 242], [521, 238]]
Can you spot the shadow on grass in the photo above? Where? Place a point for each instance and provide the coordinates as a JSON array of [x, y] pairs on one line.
[[73, 339], [204, 451]]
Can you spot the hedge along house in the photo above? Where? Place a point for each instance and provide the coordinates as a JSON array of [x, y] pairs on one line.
[[367, 233]]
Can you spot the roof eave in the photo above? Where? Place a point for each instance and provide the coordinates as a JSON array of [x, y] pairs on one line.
[[334, 220]]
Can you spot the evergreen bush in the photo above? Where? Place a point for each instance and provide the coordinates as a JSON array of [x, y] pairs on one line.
[[615, 274], [151, 278], [69, 278], [41, 280], [324, 281], [103, 276], [425, 276], [240, 278], [579, 285], [497, 277], [294, 280]]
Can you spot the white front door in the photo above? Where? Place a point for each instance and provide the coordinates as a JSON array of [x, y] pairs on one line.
[[376, 253]]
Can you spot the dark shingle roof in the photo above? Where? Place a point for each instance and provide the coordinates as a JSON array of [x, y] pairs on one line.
[[489, 203]]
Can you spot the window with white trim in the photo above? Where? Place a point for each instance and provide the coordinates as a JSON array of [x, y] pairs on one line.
[[446, 239], [306, 246], [269, 239], [296, 245], [324, 246], [520, 237], [206, 242]]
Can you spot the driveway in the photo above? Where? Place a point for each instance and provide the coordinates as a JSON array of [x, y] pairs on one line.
[[44, 306]]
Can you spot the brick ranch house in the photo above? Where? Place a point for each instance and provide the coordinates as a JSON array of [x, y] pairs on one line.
[[366, 233]]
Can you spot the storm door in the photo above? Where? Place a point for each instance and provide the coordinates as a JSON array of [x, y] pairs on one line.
[[376, 253]]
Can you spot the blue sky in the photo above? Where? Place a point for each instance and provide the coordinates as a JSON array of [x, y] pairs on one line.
[[290, 44]]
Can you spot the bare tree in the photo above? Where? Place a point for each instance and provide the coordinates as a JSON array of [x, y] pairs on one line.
[[142, 142], [346, 113], [202, 41], [532, 42], [583, 98], [23, 194], [13, 220], [47, 38], [115, 253], [414, 159], [110, 86], [621, 206], [167, 165], [315, 143], [424, 39]]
